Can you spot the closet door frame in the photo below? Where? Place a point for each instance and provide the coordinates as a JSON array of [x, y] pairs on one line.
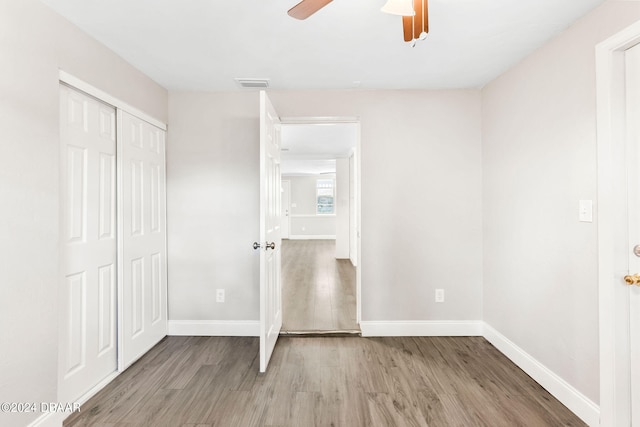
[[87, 88], [105, 97]]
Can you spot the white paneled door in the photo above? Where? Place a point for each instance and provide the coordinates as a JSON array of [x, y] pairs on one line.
[[142, 253], [88, 243], [632, 81], [270, 231]]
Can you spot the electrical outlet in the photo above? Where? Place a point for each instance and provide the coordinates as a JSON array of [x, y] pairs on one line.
[[439, 295], [219, 295]]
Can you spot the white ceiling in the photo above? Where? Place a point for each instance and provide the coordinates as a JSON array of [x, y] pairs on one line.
[[311, 149], [205, 44], [307, 167]]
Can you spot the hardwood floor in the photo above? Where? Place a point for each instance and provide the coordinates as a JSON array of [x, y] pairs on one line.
[[318, 291], [351, 382]]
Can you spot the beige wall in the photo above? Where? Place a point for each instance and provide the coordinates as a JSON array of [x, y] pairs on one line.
[[539, 160], [303, 218], [212, 205], [35, 42], [303, 193], [421, 197], [421, 215]]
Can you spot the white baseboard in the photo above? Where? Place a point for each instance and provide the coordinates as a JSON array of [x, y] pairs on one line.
[[424, 328], [312, 237], [214, 328], [55, 419], [582, 406], [51, 419]]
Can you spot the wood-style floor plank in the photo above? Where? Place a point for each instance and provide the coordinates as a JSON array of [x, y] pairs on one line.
[[324, 381], [318, 291]]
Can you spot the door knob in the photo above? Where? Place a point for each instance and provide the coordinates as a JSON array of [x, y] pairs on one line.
[[271, 245], [632, 279]]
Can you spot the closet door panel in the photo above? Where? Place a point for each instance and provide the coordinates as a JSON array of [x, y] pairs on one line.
[[143, 248], [88, 243]]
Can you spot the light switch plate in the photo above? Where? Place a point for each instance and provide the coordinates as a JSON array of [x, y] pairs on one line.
[[586, 211]]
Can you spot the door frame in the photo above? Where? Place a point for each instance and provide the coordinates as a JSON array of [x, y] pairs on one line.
[[288, 193], [119, 105], [612, 198], [358, 202]]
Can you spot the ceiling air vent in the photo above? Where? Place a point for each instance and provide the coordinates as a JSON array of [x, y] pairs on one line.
[[253, 83]]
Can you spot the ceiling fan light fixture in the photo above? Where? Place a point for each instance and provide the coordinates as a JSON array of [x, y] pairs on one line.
[[399, 7]]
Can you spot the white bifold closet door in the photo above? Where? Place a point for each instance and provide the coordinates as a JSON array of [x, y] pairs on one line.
[[88, 243], [142, 253]]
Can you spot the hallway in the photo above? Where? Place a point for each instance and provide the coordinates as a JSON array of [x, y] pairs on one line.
[[318, 291]]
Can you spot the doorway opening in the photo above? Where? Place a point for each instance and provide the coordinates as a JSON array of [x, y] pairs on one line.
[[320, 226]]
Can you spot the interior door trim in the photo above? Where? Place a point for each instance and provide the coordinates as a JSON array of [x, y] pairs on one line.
[[610, 119]]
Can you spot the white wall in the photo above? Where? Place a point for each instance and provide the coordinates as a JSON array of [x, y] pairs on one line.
[[35, 42], [421, 183], [539, 160]]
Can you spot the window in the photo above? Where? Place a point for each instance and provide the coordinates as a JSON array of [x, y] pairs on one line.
[[324, 197]]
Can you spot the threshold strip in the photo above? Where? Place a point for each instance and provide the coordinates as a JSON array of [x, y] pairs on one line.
[[322, 333]]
